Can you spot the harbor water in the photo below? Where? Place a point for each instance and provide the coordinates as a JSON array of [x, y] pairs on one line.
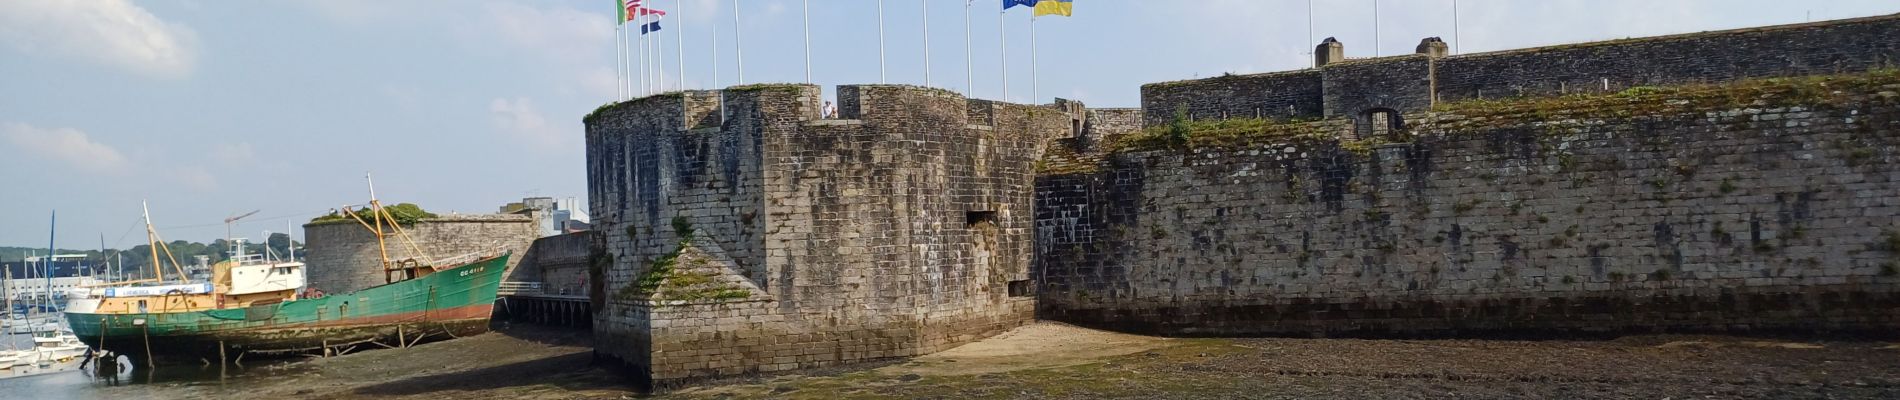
[[83, 384]]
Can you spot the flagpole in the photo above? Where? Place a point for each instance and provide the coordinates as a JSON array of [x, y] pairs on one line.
[[1002, 46], [806, 15], [646, 58], [715, 53], [926, 15], [969, 76], [880, 41], [1035, 87], [620, 61], [626, 50], [1375, 28], [1454, 27], [738, 43], [679, 40], [1309, 31], [659, 60]]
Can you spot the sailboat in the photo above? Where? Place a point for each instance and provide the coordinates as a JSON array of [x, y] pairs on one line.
[[54, 349], [254, 305]]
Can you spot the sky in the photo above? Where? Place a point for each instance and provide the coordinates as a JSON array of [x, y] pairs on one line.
[[208, 109]]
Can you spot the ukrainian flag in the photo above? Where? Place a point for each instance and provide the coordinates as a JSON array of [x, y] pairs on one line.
[[1055, 7]]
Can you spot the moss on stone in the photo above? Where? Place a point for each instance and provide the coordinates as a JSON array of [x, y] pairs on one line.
[[1816, 90], [770, 87], [1221, 133]]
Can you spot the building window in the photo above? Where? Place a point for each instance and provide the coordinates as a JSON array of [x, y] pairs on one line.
[[974, 219], [1382, 123], [1020, 288]]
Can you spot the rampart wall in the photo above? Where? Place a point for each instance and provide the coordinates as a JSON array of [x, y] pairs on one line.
[[558, 262], [343, 256], [1413, 83], [1751, 207]]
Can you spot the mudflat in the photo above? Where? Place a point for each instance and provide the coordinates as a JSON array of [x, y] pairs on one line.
[[1051, 360]]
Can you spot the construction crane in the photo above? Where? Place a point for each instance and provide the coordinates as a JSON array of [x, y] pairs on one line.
[[228, 221]]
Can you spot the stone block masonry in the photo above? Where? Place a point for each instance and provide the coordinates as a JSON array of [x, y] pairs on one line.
[[343, 256], [1656, 184], [1413, 83], [1743, 207], [744, 234]]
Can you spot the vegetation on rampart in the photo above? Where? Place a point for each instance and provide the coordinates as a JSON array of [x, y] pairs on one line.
[[671, 283], [1184, 133], [404, 213], [598, 111], [1808, 91], [1471, 115], [770, 87]]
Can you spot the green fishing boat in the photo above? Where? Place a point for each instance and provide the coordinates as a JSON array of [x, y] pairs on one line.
[[255, 305]]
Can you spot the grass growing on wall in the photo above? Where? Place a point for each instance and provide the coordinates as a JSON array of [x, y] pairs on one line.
[[406, 214], [1813, 91], [1475, 115], [664, 279]]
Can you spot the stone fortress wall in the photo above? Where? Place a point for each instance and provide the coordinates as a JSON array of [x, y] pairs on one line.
[[1739, 206], [343, 256], [738, 232], [742, 233], [1412, 83]]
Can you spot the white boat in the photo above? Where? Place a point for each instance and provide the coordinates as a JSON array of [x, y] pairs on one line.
[[54, 350]]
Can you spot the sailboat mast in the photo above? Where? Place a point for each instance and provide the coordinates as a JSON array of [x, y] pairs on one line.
[[46, 264], [157, 275], [376, 212]]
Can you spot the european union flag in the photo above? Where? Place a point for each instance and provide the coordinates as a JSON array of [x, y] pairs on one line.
[[1012, 3]]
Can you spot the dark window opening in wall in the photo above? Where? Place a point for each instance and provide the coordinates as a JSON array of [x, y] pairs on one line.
[[1019, 288], [1382, 123], [1075, 127], [974, 219]]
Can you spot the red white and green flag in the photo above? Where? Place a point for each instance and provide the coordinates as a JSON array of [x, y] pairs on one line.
[[629, 9]]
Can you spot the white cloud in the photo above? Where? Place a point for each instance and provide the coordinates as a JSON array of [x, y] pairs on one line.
[[66, 145], [518, 118], [111, 32]]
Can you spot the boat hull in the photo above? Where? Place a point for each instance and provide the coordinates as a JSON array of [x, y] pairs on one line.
[[451, 302]]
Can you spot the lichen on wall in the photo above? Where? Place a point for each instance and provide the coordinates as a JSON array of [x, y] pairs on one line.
[[1745, 205]]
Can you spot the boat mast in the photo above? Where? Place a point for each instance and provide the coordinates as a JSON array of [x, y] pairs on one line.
[[376, 212], [150, 238], [46, 264]]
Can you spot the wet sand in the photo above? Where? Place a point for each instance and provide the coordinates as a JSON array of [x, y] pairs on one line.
[[1049, 360], [520, 362]]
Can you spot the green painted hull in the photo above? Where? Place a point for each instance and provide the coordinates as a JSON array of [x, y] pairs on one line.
[[450, 302]]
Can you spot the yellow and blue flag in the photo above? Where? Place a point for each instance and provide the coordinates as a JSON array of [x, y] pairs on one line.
[[1054, 7]]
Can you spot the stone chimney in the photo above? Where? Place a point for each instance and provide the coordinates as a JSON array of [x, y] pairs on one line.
[[1329, 51], [1433, 47]]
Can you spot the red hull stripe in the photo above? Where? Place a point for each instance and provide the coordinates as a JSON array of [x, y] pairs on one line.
[[447, 314]]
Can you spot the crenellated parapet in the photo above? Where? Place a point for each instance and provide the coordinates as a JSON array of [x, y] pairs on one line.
[[1358, 89]]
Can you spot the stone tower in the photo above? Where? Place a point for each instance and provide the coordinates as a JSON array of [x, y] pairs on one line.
[[743, 233], [1433, 47], [1329, 51]]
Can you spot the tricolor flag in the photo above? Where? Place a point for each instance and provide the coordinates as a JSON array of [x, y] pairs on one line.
[[1054, 7], [652, 26]]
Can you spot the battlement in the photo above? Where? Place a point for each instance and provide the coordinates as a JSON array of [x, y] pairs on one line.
[[1358, 89]]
